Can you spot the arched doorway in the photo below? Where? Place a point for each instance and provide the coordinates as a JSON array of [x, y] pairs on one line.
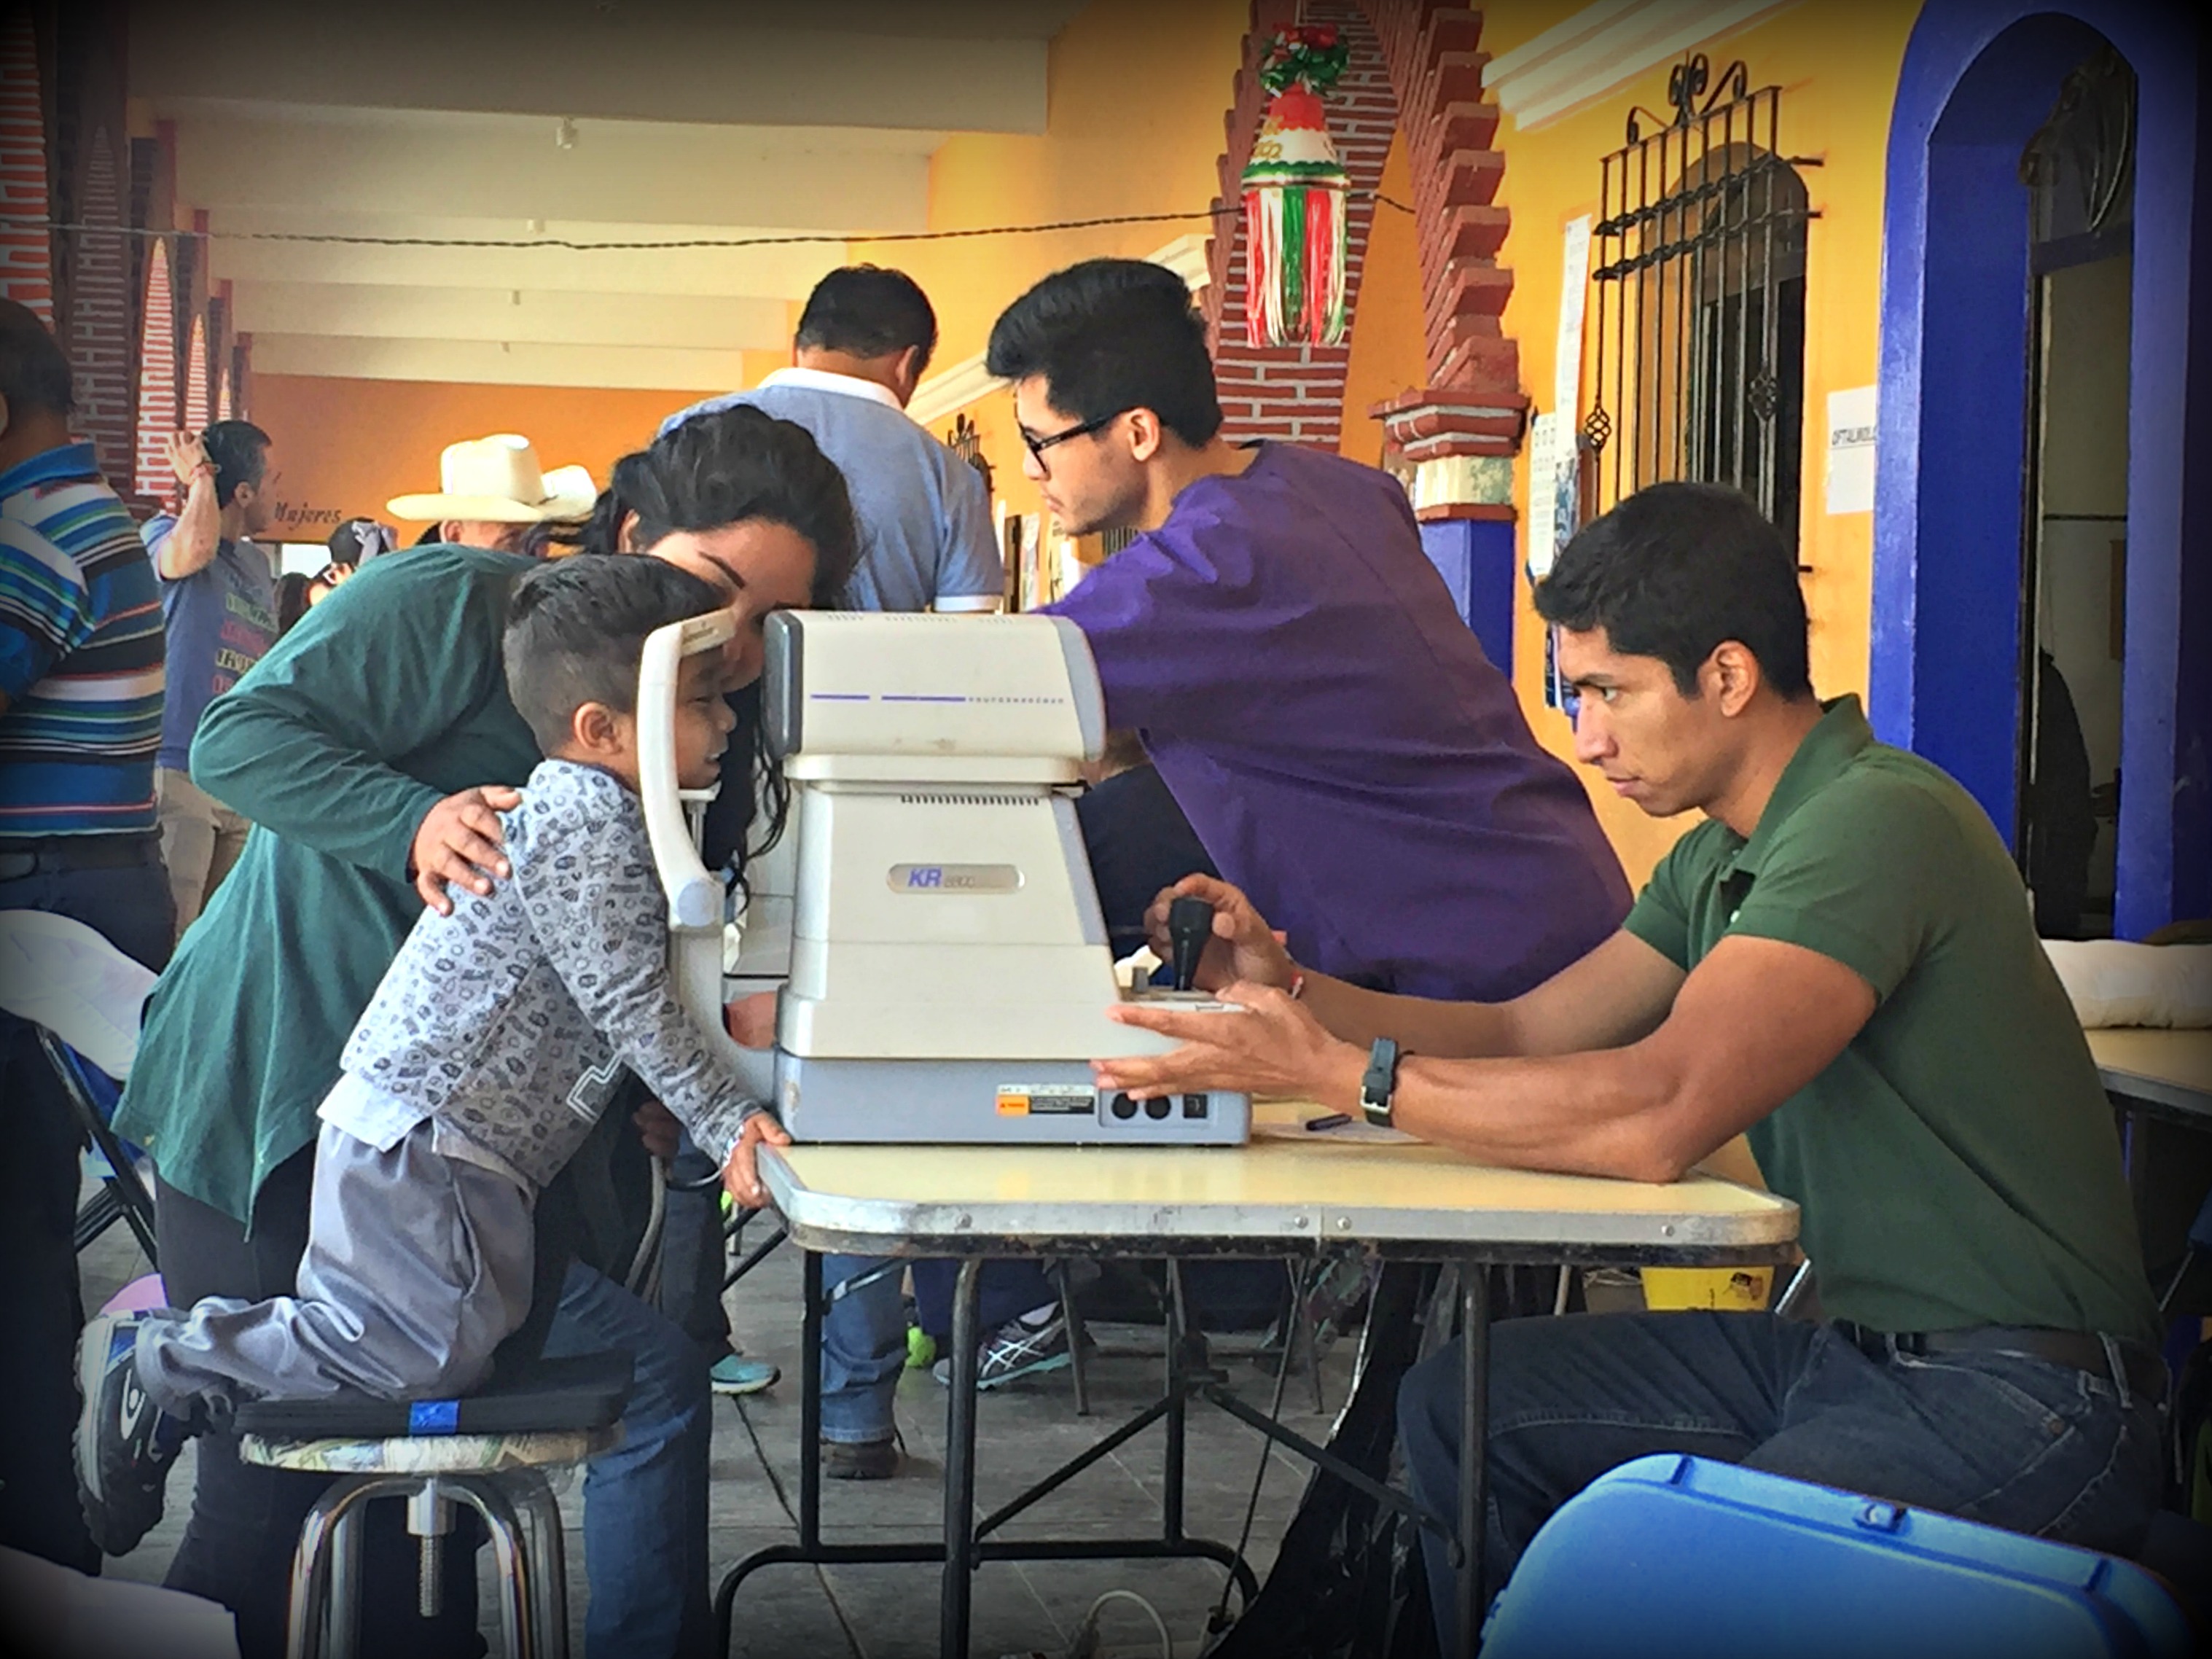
[[1958, 520]]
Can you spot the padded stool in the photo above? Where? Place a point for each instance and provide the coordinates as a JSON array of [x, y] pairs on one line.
[[490, 1451]]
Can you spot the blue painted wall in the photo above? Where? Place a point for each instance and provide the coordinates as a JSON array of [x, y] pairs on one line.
[[1476, 558], [1979, 76]]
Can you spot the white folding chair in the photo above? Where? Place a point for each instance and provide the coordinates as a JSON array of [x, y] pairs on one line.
[[84, 997]]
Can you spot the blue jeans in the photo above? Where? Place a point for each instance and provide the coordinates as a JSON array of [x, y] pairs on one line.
[[645, 1503], [863, 1351], [864, 1333], [2015, 1442]]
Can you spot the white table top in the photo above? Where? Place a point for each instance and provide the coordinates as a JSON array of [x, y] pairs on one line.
[[2170, 1068], [1272, 1192]]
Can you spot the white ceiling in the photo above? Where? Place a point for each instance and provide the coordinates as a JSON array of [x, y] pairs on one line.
[[588, 121]]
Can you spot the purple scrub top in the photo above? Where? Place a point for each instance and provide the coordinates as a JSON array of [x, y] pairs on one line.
[[1333, 731]]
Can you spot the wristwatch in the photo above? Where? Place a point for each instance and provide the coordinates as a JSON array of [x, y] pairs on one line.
[[1379, 1082]]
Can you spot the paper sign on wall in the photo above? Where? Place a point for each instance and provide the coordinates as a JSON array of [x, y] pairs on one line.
[[1574, 292], [1543, 474], [1850, 449]]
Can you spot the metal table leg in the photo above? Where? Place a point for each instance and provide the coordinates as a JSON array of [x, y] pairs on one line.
[[1473, 1455], [1178, 1412], [959, 1581], [810, 1403]]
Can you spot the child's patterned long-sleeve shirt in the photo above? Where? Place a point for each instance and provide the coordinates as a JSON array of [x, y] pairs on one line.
[[510, 1021]]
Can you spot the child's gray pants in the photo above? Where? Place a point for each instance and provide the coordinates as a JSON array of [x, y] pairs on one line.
[[417, 1264]]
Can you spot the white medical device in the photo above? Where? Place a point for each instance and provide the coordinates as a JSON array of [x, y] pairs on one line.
[[949, 971]]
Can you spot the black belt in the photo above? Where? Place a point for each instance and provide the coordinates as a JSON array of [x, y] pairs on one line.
[[2143, 1370], [58, 854]]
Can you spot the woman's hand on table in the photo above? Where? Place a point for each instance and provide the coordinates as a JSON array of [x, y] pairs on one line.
[[1274, 1046], [458, 843], [741, 1175], [1242, 949]]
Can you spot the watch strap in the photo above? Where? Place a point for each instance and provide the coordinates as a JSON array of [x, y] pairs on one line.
[[1379, 1083]]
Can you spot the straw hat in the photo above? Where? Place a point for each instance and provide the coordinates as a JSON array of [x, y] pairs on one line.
[[496, 480]]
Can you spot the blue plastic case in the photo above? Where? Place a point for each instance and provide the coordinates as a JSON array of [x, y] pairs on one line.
[[1672, 1556]]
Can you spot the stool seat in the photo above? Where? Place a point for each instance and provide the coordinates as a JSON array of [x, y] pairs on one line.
[[486, 1450], [444, 1454]]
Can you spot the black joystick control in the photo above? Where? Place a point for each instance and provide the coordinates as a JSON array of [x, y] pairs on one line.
[[1190, 924]]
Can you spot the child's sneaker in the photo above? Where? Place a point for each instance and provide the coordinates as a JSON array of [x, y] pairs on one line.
[[124, 1442], [734, 1375]]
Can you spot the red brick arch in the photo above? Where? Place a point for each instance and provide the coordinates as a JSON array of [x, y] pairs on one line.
[[1415, 65]]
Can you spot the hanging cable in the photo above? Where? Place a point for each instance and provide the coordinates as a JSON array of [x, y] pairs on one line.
[[668, 245]]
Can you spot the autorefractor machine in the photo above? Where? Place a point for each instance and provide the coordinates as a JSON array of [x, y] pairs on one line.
[[929, 914]]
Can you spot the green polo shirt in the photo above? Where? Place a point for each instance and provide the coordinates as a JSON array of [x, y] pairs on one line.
[[385, 698], [1957, 1164]]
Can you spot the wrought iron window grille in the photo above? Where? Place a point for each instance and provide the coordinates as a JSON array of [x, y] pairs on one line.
[[1698, 265], [2080, 168], [966, 440]]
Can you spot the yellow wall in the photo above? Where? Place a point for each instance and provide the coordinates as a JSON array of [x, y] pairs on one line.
[[1136, 93], [1837, 68], [1389, 354], [342, 448]]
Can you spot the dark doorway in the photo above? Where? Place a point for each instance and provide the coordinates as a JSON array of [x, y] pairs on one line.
[[2078, 174]]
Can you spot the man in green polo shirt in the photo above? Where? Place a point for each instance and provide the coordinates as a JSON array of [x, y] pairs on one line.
[[1841, 963]]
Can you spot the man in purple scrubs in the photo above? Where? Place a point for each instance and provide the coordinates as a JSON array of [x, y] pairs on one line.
[[1325, 718]]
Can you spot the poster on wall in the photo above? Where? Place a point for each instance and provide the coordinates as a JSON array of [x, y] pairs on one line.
[[1554, 446], [1850, 449]]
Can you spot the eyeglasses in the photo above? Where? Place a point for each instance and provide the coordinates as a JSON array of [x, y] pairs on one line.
[[1038, 446]]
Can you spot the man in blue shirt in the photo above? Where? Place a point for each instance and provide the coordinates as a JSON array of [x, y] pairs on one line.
[[864, 342], [80, 717], [219, 598]]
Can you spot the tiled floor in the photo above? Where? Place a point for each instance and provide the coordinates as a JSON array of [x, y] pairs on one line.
[[891, 1612]]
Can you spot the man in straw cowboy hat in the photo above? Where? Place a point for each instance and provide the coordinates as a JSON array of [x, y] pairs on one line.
[[491, 492]]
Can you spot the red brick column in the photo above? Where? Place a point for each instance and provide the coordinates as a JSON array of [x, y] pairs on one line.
[[196, 375], [98, 326], [1462, 431], [1416, 66], [26, 254], [157, 376], [1295, 394]]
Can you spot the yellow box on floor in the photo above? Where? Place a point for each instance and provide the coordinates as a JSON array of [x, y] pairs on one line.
[[1732, 1290]]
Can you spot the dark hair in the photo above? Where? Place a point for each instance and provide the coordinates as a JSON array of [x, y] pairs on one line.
[[356, 541], [240, 450], [291, 600], [576, 630], [723, 468], [1676, 570], [869, 311], [35, 374], [1109, 335]]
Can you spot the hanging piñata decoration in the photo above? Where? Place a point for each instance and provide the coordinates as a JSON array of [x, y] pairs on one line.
[[1294, 192]]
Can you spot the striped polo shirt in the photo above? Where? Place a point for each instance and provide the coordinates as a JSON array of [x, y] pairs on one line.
[[81, 654]]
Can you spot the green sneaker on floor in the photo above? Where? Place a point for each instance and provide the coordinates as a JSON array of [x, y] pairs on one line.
[[733, 1373], [921, 1349]]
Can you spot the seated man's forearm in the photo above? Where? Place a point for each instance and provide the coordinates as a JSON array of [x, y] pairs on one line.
[[1607, 1114], [1420, 1026]]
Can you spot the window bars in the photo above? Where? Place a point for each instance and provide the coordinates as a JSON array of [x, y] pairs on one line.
[[966, 441], [1699, 267]]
